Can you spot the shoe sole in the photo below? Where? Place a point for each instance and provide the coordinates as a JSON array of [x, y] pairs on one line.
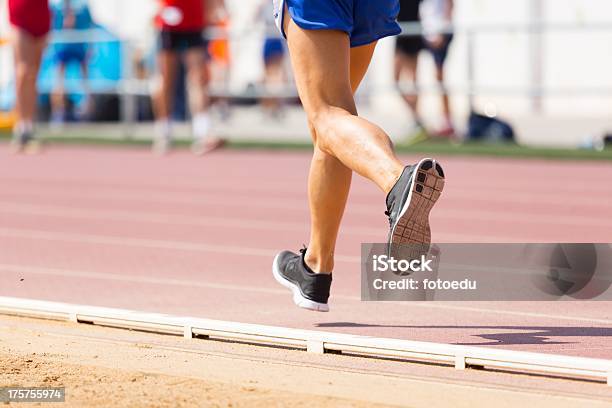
[[298, 298], [207, 148], [412, 226]]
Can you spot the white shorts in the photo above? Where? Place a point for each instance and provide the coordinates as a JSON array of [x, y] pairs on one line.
[[279, 6]]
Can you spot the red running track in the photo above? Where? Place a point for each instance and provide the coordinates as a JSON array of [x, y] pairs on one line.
[[196, 236]]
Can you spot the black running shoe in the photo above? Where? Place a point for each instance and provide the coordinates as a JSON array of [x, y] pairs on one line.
[[20, 140], [410, 201], [310, 290]]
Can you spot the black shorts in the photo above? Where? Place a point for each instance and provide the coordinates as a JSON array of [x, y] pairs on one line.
[[409, 45], [181, 40], [439, 54]]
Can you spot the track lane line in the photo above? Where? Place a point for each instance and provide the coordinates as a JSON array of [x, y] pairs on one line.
[[447, 214], [457, 192], [166, 218], [281, 292], [511, 187], [147, 243], [30, 234]]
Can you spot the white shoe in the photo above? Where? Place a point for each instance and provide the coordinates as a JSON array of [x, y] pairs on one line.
[[161, 145]]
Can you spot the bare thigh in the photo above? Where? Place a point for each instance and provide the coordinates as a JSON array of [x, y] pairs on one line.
[[360, 59], [196, 66], [405, 65], [168, 65], [28, 49], [327, 71]]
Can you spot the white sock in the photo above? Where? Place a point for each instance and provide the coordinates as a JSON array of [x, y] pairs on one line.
[[201, 124], [24, 126], [163, 128]]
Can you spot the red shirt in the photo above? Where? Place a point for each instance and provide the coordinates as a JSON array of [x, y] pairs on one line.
[[32, 16], [181, 15]]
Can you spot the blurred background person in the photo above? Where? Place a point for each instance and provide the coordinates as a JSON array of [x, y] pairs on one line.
[[407, 50], [219, 64], [70, 15], [437, 19], [142, 73], [273, 53], [31, 21], [181, 24]]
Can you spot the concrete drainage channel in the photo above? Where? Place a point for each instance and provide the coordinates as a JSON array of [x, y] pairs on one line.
[[317, 341]]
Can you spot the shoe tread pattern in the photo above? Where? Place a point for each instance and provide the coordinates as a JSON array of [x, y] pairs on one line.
[[413, 226]]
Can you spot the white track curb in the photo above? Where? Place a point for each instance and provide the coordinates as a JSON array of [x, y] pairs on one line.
[[316, 341]]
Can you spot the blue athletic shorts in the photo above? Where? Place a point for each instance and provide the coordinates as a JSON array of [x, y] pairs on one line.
[[273, 48], [66, 53], [365, 21]]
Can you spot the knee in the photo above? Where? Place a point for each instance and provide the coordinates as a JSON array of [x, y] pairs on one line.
[[322, 157], [23, 70], [320, 127], [197, 71], [313, 132], [198, 78], [324, 120]]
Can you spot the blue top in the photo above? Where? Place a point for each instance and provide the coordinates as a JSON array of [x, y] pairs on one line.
[[78, 8]]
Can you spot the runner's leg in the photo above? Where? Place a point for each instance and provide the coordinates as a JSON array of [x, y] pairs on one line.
[[445, 98], [28, 54], [197, 78], [323, 81], [406, 67], [164, 98], [58, 97], [343, 141], [328, 195], [167, 62]]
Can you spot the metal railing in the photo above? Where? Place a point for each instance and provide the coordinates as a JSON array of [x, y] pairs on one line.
[[129, 87]]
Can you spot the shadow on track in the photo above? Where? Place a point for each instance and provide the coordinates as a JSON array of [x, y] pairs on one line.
[[530, 335]]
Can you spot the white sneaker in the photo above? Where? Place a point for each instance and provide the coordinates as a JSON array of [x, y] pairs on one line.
[[161, 145]]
